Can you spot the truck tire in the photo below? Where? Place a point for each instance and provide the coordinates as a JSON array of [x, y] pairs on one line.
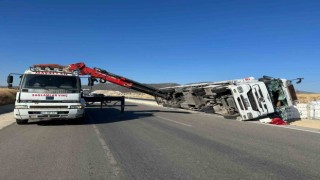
[[22, 121]]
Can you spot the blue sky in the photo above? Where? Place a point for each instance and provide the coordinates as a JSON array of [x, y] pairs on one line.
[[179, 41]]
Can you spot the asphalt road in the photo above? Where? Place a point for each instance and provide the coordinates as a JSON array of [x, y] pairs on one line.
[[156, 143]]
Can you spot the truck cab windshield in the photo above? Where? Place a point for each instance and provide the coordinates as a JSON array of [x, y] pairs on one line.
[[276, 92], [70, 84]]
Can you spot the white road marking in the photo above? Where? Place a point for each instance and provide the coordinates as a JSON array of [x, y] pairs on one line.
[[174, 121], [287, 127], [115, 168]]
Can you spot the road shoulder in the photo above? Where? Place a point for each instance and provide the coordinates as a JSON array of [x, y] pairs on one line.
[[6, 119]]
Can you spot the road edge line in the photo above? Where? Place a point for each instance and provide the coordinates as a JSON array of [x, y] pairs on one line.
[[114, 164]]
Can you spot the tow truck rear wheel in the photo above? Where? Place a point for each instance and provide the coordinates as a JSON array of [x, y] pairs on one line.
[[22, 121]]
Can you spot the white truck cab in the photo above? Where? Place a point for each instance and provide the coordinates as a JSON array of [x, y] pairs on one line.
[[252, 100], [48, 92], [260, 98], [245, 98]]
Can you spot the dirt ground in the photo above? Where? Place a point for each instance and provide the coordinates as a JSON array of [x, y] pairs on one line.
[[307, 123]]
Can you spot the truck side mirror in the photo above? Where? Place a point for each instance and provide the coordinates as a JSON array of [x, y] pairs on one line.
[[10, 81], [299, 80]]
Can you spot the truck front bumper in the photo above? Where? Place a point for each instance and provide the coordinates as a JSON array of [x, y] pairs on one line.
[[48, 113]]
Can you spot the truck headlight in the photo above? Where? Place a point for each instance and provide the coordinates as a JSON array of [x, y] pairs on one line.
[[76, 107], [21, 107], [240, 90]]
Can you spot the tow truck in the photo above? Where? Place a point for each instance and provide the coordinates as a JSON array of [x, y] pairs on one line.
[[48, 91], [54, 91]]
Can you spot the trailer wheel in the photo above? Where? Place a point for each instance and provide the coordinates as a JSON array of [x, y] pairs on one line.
[[22, 121]]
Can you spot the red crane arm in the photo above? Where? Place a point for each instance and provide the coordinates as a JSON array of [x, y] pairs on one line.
[[116, 79], [96, 73]]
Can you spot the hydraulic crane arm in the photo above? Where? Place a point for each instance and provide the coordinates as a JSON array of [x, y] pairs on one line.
[[104, 76]]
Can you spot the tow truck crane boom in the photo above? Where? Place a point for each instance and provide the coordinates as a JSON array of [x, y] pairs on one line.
[[103, 75]]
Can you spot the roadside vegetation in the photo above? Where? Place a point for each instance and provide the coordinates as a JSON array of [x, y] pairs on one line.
[[307, 98], [7, 96]]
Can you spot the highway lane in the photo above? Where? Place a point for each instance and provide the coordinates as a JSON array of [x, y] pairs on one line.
[[150, 142]]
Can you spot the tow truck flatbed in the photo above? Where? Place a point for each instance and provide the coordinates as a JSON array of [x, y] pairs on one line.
[[106, 99]]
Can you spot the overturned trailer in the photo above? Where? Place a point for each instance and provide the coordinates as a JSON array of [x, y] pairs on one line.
[[242, 99]]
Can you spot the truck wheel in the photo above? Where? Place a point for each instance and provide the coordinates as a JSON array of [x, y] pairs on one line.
[[22, 121]]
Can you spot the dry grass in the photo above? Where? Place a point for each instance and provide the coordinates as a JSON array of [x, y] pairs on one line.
[[7, 96], [307, 98]]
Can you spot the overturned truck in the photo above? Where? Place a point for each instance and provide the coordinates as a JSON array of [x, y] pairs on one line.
[[241, 99]]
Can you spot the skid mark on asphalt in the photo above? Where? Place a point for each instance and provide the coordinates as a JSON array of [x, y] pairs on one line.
[[163, 118]]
